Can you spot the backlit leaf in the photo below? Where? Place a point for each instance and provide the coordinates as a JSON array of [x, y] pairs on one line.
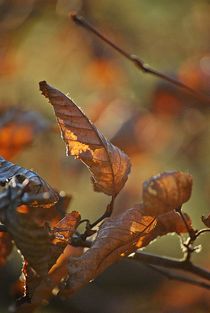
[[108, 165], [172, 222], [117, 237], [65, 228], [165, 192]]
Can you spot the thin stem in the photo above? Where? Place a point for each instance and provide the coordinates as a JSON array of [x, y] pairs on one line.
[[170, 263], [191, 232], [202, 231], [89, 227], [80, 20], [107, 213], [184, 279]]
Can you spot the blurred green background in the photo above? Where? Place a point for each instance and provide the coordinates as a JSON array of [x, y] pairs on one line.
[[159, 126]]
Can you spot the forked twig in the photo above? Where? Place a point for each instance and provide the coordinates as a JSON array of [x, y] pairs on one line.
[[145, 68]]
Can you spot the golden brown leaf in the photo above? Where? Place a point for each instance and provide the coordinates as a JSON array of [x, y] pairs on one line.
[[165, 192], [117, 237], [172, 222], [109, 166], [65, 228]]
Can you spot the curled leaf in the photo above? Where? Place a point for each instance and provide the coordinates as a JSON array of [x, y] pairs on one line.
[[117, 237], [166, 191], [36, 185], [206, 220], [172, 222], [65, 228], [50, 214], [109, 166], [32, 240]]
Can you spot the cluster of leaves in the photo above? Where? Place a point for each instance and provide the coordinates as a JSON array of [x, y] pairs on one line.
[[33, 214]]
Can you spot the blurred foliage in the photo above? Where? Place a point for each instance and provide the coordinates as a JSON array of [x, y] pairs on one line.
[[159, 126]]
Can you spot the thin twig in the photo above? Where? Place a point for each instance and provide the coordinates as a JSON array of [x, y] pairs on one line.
[[191, 232], [145, 68], [184, 279], [107, 213], [202, 231], [171, 263]]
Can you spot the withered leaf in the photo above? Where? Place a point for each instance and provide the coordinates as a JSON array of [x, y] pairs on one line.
[[50, 214], [32, 240], [172, 222], [206, 220], [166, 191], [36, 184], [109, 166], [5, 247], [65, 228], [117, 237], [18, 129]]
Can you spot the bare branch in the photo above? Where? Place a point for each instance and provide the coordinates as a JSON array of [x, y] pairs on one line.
[[166, 262], [145, 68], [184, 279]]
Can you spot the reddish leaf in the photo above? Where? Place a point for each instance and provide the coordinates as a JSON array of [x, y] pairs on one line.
[[65, 228], [166, 192], [109, 166]]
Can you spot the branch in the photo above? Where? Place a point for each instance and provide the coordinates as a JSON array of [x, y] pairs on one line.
[[89, 227], [184, 279], [145, 68], [171, 263]]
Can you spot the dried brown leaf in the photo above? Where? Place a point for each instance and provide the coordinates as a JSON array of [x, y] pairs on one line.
[[35, 186], [39, 250], [109, 166], [65, 228], [206, 220], [166, 191], [32, 240], [117, 237], [172, 222], [50, 214]]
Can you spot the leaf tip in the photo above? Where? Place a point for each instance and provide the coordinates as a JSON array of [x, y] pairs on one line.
[[43, 86]]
